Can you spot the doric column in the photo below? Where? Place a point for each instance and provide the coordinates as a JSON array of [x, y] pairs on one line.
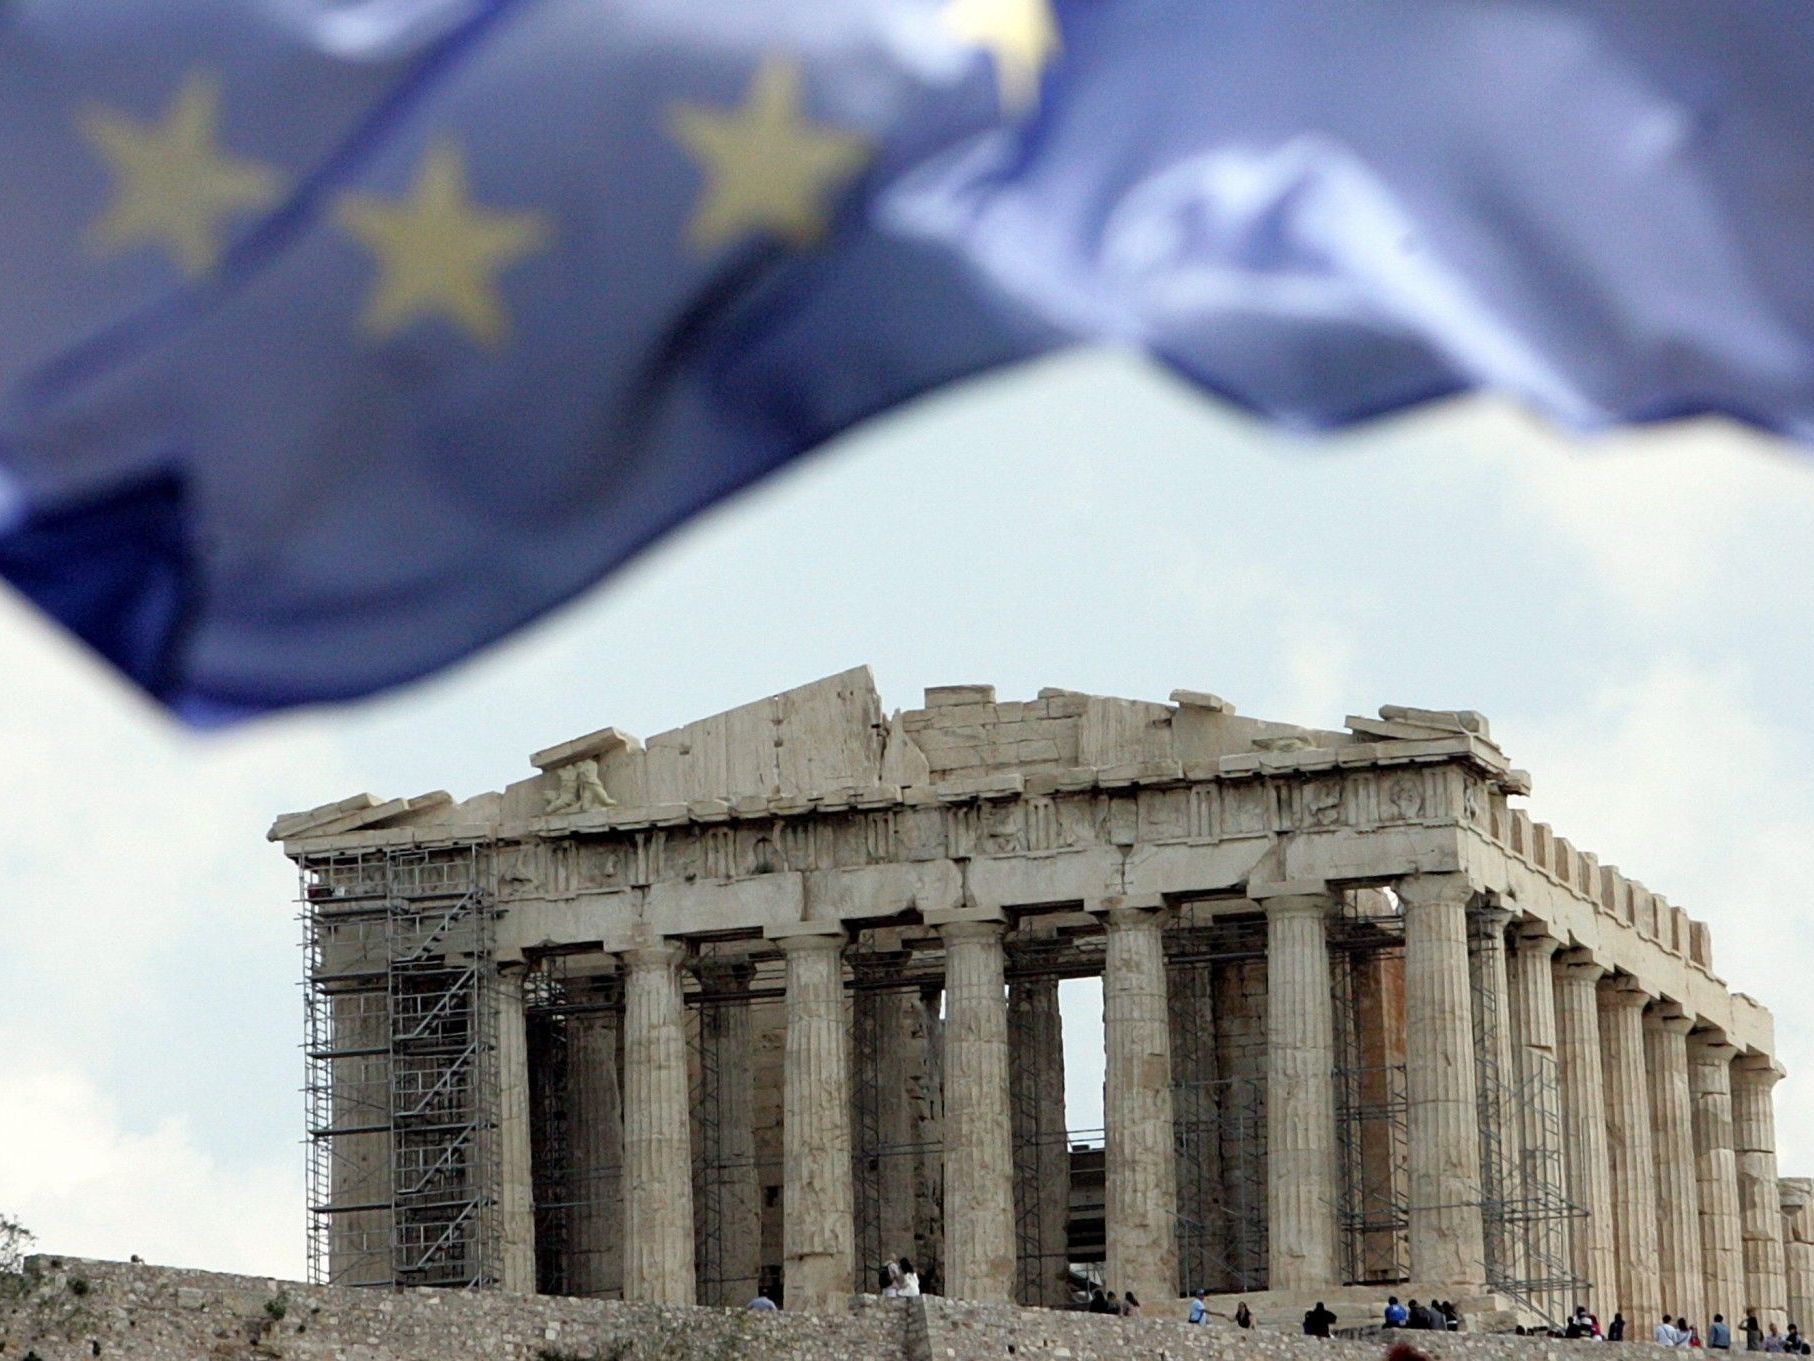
[[1678, 1195], [818, 1230], [1798, 1247], [1497, 1079], [1716, 1174], [1042, 1154], [658, 1152], [595, 1143], [1300, 1088], [1630, 1156], [728, 1210], [1443, 1119], [1543, 1171], [979, 1137], [1584, 1124], [1754, 1076], [1141, 1200], [516, 1185]]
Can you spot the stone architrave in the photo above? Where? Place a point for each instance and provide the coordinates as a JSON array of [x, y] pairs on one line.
[[1584, 1125], [818, 1227], [516, 1181], [1680, 1273], [1754, 1077], [1631, 1157], [979, 1138], [1300, 1089], [1716, 1174], [1500, 1141], [658, 1153], [1446, 1232], [1798, 1247], [1141, 1192], [595, 1137]]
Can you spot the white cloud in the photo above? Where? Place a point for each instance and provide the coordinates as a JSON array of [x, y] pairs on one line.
[[87, 1185]]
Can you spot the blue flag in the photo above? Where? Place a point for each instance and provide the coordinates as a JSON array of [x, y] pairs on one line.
[[343, 336]]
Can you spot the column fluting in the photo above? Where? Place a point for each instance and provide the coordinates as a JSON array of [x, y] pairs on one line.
[[595, 1141], [1141, 1196], [1631, 1158], [1716, 1174], [1584, 1125], [1678, 1192], [1300, 1094], [818, 1221], [1543, 1170], [658, 1153], [1443, 1120], [979, 1136], [516, 1185], [1754, 1078]]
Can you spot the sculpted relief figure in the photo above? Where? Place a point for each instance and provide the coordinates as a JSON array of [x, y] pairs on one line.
[[580, 790]]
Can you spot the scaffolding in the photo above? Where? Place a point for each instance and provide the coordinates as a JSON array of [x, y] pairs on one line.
[[727, 1172], [401, 1068], [1218, 1097], [1372, 1106], [893, 1161], [1524, 1207]]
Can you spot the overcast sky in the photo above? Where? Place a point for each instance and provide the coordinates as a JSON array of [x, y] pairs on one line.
[[1630, 614]]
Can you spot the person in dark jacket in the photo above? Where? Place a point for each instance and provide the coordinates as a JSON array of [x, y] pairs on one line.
[[1243, 1315], [1317, 1321]]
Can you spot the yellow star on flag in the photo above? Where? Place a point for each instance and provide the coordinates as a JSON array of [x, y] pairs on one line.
[[1022, 35], [766, 167], [439, 253], [174, 185]]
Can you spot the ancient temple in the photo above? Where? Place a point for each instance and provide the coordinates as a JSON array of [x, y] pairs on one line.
[[770, 999]]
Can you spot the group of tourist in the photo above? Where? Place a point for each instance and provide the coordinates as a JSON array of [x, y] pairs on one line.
[[1679, 1332], [1436, 1316]]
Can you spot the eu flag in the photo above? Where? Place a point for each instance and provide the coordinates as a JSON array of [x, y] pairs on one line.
[[342, 336]]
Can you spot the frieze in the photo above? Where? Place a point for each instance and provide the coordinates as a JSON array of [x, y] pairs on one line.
[[728, 842]]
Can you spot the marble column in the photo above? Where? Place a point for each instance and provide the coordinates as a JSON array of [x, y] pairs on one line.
[[1042, 1153], [1798, 1248], [728, 1215], [1584, 1125], [595, 1142], [1300, 1091], [1500, 1133], [516, 1183], [1446, 1234], [1678, 1196], [658, 1152], [1543, 1166], [1754, 1076], [818, 1222], [1630, 1153], [1141, 1196], [1716, 1174], [979, 1136]]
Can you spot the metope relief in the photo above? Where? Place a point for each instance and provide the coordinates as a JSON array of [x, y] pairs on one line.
[[1321, 803]]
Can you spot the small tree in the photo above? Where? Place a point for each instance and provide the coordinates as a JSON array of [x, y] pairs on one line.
[[15, 1238]]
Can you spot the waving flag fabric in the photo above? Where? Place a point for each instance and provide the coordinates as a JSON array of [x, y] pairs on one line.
[[342, 336]]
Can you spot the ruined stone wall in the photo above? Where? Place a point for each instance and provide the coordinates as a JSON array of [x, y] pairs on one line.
[[74, 1310]]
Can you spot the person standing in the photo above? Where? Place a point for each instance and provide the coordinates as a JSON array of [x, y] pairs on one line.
[[1754, 1332]]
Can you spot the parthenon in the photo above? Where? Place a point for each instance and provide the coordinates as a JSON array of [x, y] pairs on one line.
[[773, 998]]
